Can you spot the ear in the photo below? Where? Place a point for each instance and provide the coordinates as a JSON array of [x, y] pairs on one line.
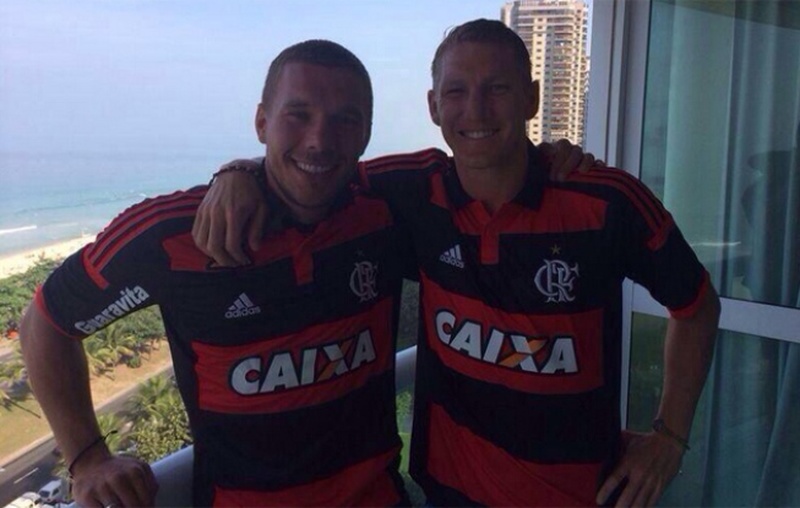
[[367, 137], [533, 100], [433, 108], [261, 123]]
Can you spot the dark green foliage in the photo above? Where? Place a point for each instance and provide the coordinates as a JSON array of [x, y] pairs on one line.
[[160, 423], [409, 317], [16, 291], [13, 379]]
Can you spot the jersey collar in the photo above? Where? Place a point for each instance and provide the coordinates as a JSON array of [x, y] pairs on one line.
[[529, 196]]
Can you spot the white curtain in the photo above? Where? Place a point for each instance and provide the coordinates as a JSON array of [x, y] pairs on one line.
[[722, 146]]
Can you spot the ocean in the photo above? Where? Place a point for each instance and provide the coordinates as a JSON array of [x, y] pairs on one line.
[[47, 198]]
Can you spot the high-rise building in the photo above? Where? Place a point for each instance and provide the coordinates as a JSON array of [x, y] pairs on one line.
[[555, 32]]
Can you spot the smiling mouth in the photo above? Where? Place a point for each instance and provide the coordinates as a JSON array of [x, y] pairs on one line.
[[481, 134], [314, 169]]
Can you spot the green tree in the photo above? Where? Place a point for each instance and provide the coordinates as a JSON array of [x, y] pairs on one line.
[[16, 291], [13, 379], [100, 356], [162, 426], [148, 397]]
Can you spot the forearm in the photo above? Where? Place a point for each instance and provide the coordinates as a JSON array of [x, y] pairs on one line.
[[688, 351], [58, 374]]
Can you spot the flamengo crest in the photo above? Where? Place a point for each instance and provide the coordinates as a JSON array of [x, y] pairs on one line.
[[555, 280], [363, 281]]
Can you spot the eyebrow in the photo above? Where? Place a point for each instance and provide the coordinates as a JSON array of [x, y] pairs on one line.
[[295, 103]]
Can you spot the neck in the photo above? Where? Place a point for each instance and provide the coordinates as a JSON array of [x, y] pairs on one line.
[[494, 186]]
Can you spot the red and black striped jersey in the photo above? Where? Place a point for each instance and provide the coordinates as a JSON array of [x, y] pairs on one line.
[[518, 367], [286, 366]]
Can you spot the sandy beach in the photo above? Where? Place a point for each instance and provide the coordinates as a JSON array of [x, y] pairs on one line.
[[21, 261]]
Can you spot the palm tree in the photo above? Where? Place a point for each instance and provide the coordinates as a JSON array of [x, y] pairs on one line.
[[151, 394], [100, 356], [114, 428]]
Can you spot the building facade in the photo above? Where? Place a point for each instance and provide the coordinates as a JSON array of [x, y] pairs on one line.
[[555, 32]]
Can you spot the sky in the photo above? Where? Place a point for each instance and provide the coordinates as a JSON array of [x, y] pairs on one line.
[[185, 76]]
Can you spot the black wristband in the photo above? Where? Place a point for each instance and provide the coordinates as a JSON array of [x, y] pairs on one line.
[[661, 427], [88, 447]]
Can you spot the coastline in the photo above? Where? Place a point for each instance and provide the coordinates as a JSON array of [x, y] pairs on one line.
[[19, 262]]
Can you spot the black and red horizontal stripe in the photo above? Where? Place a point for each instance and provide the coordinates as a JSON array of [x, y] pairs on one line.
[[132, 223], [658, 219], [215, 363], [367, 484], [403, 162], [584, 330], [500, 478]]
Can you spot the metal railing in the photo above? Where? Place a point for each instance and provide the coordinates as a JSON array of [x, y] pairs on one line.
[[174, 472]]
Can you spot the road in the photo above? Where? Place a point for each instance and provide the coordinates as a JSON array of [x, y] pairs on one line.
[[32, 470], [28, 472]]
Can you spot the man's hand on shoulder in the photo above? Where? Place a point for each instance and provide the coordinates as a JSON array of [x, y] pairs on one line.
[[562, 158], [232, 207], [104, 480], [648, 464]]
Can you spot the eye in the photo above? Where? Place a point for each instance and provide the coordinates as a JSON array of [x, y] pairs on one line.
[[498, 88], [297, 114], [349, 120], [453, 91]]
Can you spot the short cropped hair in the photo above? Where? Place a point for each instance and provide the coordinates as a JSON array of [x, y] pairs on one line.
[[484, 31], [318, 52]]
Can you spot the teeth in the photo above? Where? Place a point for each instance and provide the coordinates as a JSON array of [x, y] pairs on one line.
[[313, 168], [478, 134]]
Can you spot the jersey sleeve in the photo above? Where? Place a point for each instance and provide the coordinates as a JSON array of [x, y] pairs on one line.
[[656, 254], [122, 271]]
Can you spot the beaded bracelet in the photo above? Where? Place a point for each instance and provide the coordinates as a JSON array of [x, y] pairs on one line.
[[86, 449], [661, 427], [257, 173]]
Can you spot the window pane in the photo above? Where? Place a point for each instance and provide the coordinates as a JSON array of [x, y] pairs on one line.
[[721, 135], [745, 448]]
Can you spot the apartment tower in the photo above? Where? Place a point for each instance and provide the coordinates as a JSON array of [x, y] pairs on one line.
[[555, 32]]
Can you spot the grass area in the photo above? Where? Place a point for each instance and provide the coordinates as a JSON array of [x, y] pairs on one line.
[[21, 427]]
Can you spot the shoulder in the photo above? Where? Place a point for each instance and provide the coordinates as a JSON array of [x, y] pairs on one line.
[[629, 195], [148, 221], [615, 185], [412, 162]]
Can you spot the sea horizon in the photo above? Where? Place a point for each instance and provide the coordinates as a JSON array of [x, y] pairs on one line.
[[52, 198]]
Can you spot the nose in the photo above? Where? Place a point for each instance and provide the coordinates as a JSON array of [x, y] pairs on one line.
[[321, 136], [477, 105]]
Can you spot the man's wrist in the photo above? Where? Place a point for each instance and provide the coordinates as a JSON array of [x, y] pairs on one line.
[[94, 451], [251, 167], [660, 427]]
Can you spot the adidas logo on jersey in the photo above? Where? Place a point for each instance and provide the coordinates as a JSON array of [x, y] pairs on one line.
[[453, 257], [242, 307]]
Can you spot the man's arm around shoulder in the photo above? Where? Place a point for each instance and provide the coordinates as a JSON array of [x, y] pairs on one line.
[[58, 373]]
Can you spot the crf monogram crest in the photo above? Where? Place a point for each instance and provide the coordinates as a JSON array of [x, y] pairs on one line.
[[555, 280], [363, 280]]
